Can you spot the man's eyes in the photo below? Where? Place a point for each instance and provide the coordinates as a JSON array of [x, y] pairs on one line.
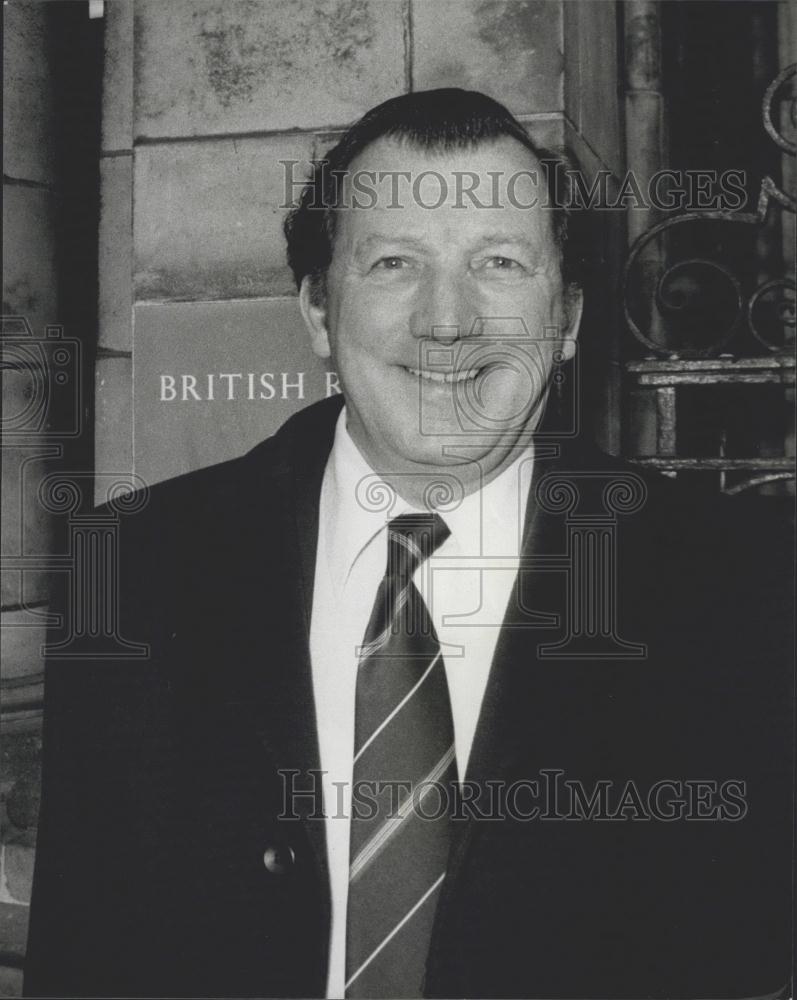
[[499, 263], [390, 264], [495, 264]]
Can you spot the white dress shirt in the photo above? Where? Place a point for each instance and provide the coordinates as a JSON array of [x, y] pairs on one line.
[[466, 599]]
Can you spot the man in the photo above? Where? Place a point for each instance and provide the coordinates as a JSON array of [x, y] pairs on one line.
[[437, 703]]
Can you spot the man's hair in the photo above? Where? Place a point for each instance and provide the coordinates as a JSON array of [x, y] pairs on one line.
[[434, 120]]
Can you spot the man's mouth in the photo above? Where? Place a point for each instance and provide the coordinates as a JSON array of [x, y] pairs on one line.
[[462, 375]]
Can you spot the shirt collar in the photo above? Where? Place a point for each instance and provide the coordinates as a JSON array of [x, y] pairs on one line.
[[356, 507]]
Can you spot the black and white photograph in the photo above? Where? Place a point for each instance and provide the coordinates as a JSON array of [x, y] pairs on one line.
[[398, 487]]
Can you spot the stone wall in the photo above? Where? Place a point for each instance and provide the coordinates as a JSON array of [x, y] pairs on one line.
[[30, 295], [203, 99]]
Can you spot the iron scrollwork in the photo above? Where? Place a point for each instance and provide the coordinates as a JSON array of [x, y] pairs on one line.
[[678, 288]]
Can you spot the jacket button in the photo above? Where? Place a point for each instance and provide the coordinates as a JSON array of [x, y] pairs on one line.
[[278, 859]]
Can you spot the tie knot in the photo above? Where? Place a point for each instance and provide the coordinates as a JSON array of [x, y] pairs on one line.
[[412, 538]]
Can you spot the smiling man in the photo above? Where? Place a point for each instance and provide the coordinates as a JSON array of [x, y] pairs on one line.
[[421, 271], [432, 313], [441, 701]]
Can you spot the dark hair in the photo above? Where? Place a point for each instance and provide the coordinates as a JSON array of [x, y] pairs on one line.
[[434, 120]]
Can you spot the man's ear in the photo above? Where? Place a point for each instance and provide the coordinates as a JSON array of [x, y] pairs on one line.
[[572, 308], [314, 314]]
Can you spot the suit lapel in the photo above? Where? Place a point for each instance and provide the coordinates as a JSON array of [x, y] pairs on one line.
[[541, 712], [289, 730], [504, 719]]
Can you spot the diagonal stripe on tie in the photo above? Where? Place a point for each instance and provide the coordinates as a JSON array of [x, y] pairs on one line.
[[404, 752], [391, 826], [386, 940], [398, 708]]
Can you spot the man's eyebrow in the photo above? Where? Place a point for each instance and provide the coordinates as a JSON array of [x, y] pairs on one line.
[[378, 239], [508, 239], [488, 239]]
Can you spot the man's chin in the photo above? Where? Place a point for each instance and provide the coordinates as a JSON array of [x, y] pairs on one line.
[[447, 452]]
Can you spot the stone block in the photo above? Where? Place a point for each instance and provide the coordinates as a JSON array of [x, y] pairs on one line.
[[548, 131], [210, 67], [28, 142], [117, 78], [23, 663], [41, 411], [17, 872], [14, 927], [590, 77], [29, 275], [588, 161], [261, 345], [113, 408], [43, 392], [10, 981], [19, 810], [208, 217], [27, 528], [116, 252], [510, 50]]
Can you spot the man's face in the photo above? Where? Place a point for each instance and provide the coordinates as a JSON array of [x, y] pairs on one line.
[[443, 322]]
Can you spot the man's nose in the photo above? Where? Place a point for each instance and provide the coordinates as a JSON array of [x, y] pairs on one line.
[[443, 310]]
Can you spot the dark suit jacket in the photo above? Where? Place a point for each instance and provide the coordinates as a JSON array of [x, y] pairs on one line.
[[161, 789]]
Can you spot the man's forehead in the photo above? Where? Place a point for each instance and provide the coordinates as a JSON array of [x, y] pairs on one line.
[[498, 179], [395, 153]]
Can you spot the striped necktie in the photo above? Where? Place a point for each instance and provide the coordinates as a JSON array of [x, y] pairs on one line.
[[404, 777]]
